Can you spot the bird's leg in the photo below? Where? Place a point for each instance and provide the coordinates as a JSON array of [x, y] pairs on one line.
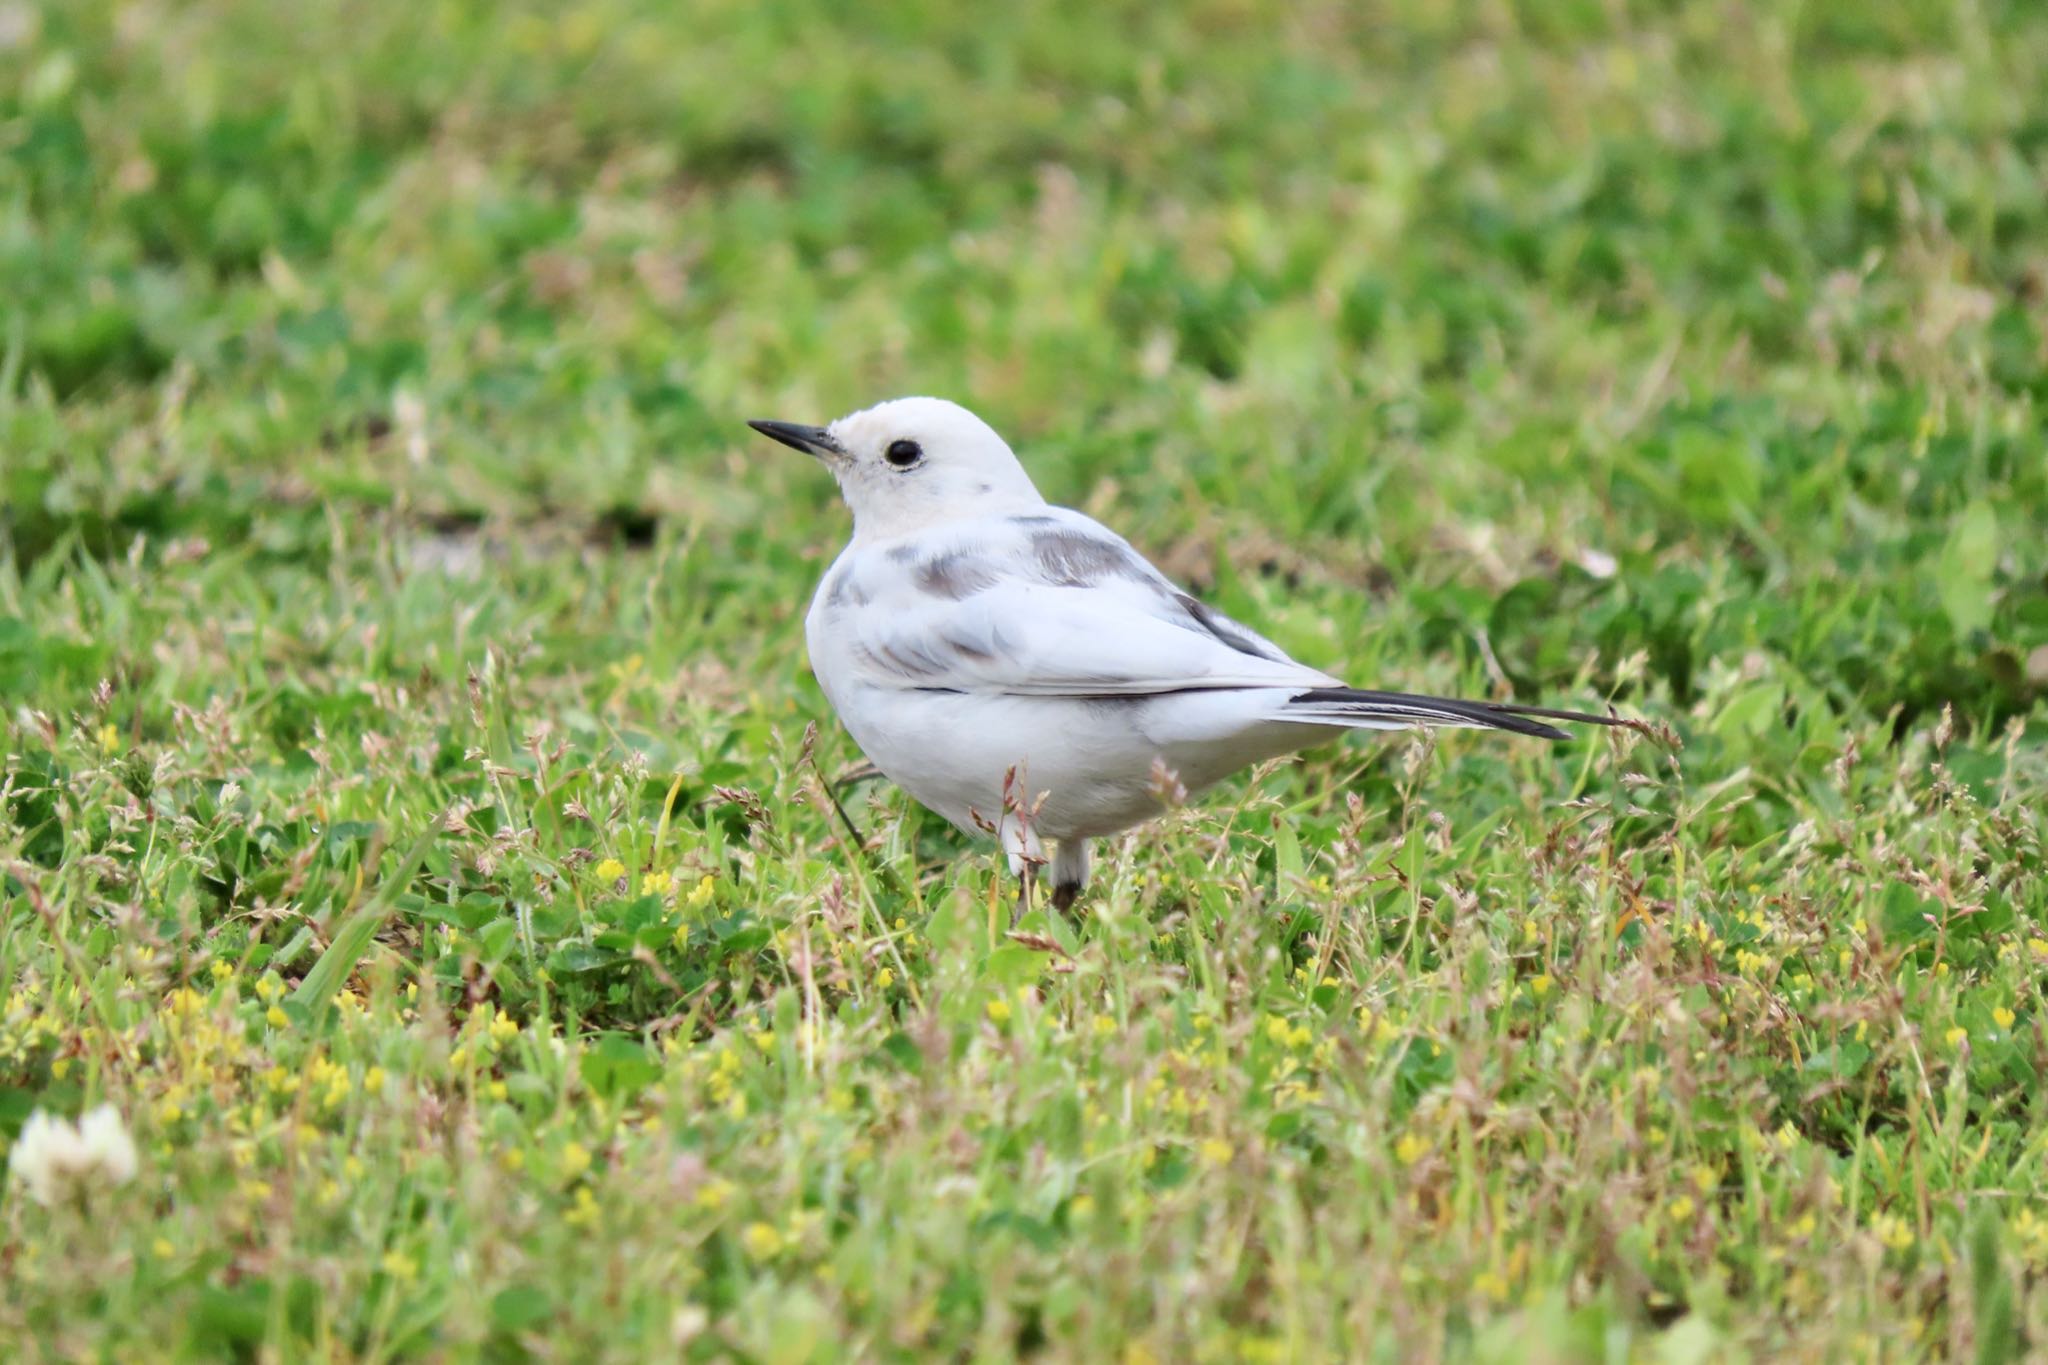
[[1069, 872]]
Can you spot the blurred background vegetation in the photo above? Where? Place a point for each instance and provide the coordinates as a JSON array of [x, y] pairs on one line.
[[1740, 298], [373, 477]]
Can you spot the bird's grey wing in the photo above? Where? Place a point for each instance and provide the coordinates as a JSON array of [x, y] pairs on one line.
[[1022, 637], [1068, 548], [1055, 605]]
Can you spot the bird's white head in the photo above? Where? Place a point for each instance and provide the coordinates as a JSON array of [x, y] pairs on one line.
[[914, 462]]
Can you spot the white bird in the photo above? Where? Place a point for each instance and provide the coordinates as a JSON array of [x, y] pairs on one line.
[[1021, 670]]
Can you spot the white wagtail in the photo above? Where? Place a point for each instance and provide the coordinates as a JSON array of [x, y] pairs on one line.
[[1021, 670]]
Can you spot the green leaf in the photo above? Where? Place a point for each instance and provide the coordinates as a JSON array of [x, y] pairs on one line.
[[1991, 1292], [616, 1066], [521, 1308], [346, 832], [497, 937], [1286, 853], [1042, 1236], [353, 938], [1908, 916], [574, 958], [899, 1049], [1413, 857], [16, 1104], [1010, 966], [1962, 576]]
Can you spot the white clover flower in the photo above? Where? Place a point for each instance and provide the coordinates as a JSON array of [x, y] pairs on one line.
[[53, 1154]]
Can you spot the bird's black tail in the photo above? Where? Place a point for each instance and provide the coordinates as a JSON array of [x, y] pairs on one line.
[[1361, 709]]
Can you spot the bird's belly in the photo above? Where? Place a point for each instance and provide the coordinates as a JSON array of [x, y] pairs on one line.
[[1096, 762]]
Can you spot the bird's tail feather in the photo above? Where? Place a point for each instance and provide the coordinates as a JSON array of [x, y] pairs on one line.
[[1363, 709]]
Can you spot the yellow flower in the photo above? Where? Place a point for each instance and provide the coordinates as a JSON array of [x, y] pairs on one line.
[[277, 1018], [1216, 1151], [2030, 1233], [221, 970], [1082, 1206], [575, 1160], [1892, 1231], [2003, 1017], [712, 1194], [761, 1241], [885, 978], [701, 892], [1411, 1148], [373, 1079], [610, 870], [1540, 986], [1680, 1208], [657, 883], [399, 1266], [999, 1011], [585, 1211], [1956, 1037], [504, 1028], [1103, 1025]]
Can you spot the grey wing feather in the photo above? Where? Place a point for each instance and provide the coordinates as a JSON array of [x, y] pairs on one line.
[[1055, 604], [1074, 550]]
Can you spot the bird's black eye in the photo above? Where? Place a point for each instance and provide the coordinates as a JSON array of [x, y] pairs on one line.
[[903, 454]]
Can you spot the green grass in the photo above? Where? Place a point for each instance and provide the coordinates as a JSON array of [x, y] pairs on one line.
[[409, 820]]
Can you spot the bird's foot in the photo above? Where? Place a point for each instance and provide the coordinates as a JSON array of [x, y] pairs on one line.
[[1064, 894]]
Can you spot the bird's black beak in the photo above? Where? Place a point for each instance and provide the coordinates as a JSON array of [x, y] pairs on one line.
[[810, 440]]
